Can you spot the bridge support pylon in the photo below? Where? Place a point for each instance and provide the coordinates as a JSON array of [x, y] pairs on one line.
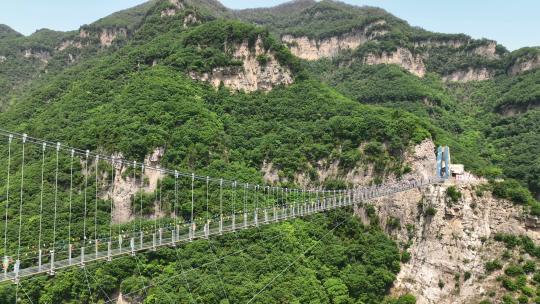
[[82, 256], [70, 254], [109, 251], [51, 270]]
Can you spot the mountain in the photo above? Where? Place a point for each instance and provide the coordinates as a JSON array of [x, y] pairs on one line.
[[310, 94], [6, 32]]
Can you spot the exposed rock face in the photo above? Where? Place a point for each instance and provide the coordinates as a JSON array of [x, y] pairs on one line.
[[190, 19], [125, 188], [522, 65], [271, 175], [253, 75], [3, 59], [402, 57], [472, 74], [168, 12], [513, 110], [451, 43], [84, 33], [453, 241], [69, 43], [310, 49], [44, 56], [172, 11], [488, 50], [107, 36]]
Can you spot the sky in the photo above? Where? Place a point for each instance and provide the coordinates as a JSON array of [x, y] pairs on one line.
[[512, 23]]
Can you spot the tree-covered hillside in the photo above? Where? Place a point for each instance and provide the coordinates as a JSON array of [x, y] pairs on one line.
[[137, 96], [482, 121]]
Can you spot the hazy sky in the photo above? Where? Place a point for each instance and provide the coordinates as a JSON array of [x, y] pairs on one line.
[[513, 23]]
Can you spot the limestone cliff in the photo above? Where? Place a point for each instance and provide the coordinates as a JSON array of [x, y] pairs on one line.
[[454, 239], [253, 75], [451, 43], [106, 36], [488, 50], [471, 74], [522, 65], [68, 44], [43, 56], [125, 186], [402, 57], [314, 49], [171, 11]]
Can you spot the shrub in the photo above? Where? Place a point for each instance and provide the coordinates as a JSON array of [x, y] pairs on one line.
[[134, 286], [466, 275], [536, 277], [509, 284], [441, 284], [507, 299], [393, 223], [528, 291], [263, 59], [430, 211], [493, 265], [529, 267], [513, 270], [509, 240], [523, 299], [406, 299], [405, 257], [453, 194], [512, 190]]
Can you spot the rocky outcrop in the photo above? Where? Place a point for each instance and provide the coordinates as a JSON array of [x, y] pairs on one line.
[[402, 57], [522, 65], [127, 186], [190, 19], [3, 59], [43, 56], [488, 50], [451, 43], [510, 110], [270, 174], [106, 36], [453, 239], [177, 6], [168, 12], [471, 74], [69, 44], [253, 75], [311, 49]]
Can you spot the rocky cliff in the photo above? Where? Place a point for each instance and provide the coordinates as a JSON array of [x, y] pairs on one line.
[[43, 56], [471, 74], [126, 186], [260, 70], [402, 57], [450, 244], [524, 64], [314, 49]]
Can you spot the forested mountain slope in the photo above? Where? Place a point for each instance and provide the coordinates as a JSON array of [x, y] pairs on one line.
[[485, 96]]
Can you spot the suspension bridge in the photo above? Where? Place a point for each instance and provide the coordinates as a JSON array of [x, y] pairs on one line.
[[60, 205]]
